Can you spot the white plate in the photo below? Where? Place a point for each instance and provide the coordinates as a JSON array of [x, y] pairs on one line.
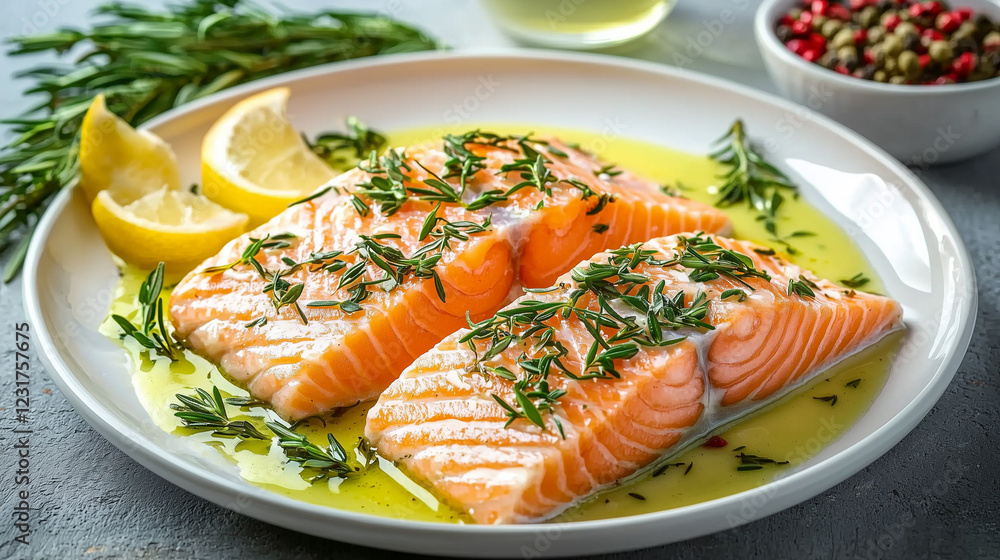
[[901, 228]]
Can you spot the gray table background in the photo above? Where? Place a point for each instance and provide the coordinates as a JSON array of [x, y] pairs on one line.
[[90, 500]]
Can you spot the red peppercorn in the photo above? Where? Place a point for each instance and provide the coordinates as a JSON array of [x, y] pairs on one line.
[[839, 11], [860, 36], [932, 34], [924, 60], [964, 64], [841, 69], [933, 8], [944, 80], [801, 28], [917, 10], [948, 22], [891, 21], [716, 441], [819, 6], [858, 5], [965, 13], [868, 56], [818, 42], [811, 55], [786, 20], [797, 46], [806, 17]]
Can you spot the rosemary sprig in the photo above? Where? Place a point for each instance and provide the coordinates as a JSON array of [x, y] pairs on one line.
[[856, 281], [331, 460], [750, 178], [147, 62], [207, 411], [152, 331], [341, 150]]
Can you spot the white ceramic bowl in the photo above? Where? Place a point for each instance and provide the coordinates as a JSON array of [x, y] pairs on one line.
[[919, 125]]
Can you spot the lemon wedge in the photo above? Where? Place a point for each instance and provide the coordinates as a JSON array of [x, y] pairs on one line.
[[254, 161], [119, 158], [177, 227]]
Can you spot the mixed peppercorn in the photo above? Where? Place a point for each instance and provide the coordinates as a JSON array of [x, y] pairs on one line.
[[894, 41]]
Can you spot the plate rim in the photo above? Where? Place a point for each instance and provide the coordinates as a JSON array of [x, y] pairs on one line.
[[804, 484]]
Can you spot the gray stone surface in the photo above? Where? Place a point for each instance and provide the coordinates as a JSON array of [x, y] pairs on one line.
[[936, 494]]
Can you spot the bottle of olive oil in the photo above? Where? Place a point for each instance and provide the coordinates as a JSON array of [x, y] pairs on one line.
[[579, 24]]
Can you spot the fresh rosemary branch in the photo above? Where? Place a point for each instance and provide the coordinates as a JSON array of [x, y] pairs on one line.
[[207, 411], [750, 178], [331, 461], [152, 332], [147, 62]]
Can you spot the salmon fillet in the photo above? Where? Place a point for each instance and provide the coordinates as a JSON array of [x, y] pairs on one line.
[[688, 352], [551, 206]]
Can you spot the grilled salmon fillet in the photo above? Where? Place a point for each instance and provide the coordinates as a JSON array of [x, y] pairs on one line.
[[528, 211], [631, 355]]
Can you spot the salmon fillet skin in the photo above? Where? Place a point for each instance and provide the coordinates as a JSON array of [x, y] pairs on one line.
[[630, 356], [324, 305]]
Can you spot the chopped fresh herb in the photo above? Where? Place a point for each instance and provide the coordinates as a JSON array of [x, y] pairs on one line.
[[740, 448], [600, 228], [258, 322], [832, 399], [748, 462], [313, 196], [637, 496], [801, 287], [739, 294], [688, 469], [616, 337], [856, 281], [853, 383], [344, 150], [152, 332]]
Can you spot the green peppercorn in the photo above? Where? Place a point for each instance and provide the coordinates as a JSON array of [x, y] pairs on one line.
[[899, 80], [829, 60], [875, 35], [906, 28], [843, 38], [877, 53], [992, 40], [909, 64], [966, 30], [893, 45], [868, 16], [884, 20], [831, 27], [941, 52], [880, 76], [818, 21]]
